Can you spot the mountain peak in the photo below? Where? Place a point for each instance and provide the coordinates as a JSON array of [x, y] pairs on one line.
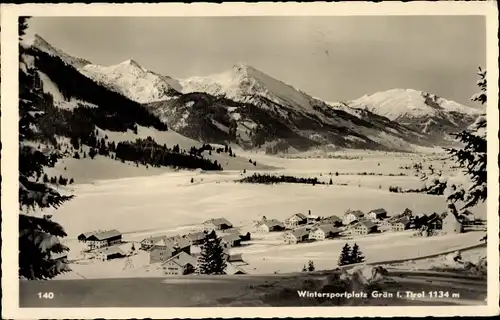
[[130, 62]]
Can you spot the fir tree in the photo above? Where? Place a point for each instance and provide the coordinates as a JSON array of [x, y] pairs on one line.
[[331, 182], [212, 259], [304, 269], [472, 157], [356, 256], [310, 266], [38, 236], [345, 255], [192, 180]]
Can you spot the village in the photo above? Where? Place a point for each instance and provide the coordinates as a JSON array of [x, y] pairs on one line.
[[179, 254]]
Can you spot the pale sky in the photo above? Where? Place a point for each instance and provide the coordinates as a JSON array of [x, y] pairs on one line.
[[333, 58]]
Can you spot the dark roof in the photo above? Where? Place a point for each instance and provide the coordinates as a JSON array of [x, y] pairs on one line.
[[368, 224], [333, 218], [111, 250], [357, 213], [327, 228], [403, 220], [196, 236], [271, 223], [218, 221], [103, 235], [300, 232], [378, 211]]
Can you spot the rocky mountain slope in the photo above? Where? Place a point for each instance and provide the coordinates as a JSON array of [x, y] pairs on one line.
[[418, 110]]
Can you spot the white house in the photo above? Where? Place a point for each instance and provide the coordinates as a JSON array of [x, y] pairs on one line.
[[364, 227], [377, 214], [297, 235], [351, 216], [324, 231], [100, 239], [270, 225], [400, 224], [295, 221], [180, 264]]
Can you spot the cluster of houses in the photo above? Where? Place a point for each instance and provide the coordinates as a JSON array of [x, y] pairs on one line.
[[178, 255], [308, 227]]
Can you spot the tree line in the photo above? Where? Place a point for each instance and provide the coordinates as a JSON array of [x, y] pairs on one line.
[[271, 179]]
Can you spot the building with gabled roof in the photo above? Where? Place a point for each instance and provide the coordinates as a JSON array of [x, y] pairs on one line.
[[400, 224], [376, 214], [297, 235], [179, 264], [335, 220], [295, 221], [231, 240], [217, 224], [165, 247], [100, 239], [352, 215], [108, 253], [270, 225], [364, 227], [324, 231]]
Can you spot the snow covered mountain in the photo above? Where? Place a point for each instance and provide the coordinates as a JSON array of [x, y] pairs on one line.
[[420, 111], [243, 82], [133, 81], [39, 43]]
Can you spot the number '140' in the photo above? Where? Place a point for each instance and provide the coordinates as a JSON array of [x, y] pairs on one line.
[[46, 295]]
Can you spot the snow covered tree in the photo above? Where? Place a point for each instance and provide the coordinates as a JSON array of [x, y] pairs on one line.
[[39, 237], [472, 157], [212, 259], [345, 255], [356, 256]]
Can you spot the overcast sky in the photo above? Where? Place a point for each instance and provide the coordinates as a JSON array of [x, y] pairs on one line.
[[334, 58]]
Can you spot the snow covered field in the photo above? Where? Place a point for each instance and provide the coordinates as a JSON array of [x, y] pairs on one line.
[[167, 202]]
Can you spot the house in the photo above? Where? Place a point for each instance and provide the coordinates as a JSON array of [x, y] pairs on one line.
[[231, 240], [407, 213], [195, 238], [217, 224], [364, 227], [297, 235], [451, 224], [270, 225], [434, 222], [245, 237], [180, 264], [400, 224], [295, 221], [324, 231], [236, 258], [312, 218], [102, 239], [84, 236], [336, 221], [109, 253], [377, 214], [168, 247], [351, 216]]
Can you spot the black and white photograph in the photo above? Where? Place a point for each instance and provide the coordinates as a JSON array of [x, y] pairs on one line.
[[251, 160]]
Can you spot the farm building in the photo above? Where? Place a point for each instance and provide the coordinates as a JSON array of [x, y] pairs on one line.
[[167, 248], [324, 231], [109, 253], [400, 224], [377, 214], [434, 222], [217, 224], [364, 227], [297, 235], [351, 216], [270, 225], [231, 240], [295, 221], [180, 264], [100, 239], [195, 238], [336, 221], [312, 218]]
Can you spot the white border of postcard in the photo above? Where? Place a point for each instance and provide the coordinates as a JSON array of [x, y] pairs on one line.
[[9, 37]]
